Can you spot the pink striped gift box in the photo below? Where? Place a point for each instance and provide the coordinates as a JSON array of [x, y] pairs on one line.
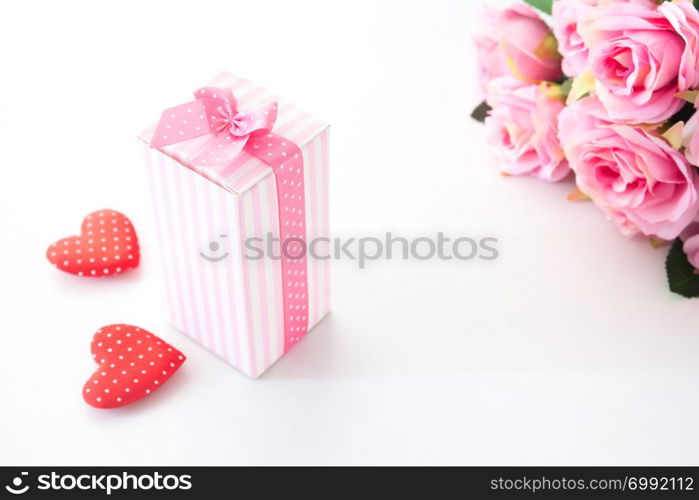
[[232, 304]]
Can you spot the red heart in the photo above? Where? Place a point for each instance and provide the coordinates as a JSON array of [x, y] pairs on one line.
[[133, 363], [107, 246]]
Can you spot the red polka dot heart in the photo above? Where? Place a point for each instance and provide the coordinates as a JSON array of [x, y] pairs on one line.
[[107, 246], [133, 363]]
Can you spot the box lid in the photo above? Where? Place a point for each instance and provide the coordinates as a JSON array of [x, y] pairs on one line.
[[246, 170]]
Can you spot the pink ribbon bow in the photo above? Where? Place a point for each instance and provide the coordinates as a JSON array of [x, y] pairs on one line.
[[214, 111]]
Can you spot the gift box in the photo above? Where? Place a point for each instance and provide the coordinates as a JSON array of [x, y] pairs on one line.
[[239, 183]]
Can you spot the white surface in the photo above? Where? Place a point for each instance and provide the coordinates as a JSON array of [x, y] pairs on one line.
[[567, 350]]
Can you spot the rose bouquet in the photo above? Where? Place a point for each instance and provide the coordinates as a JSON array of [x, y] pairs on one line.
[[604, 93]]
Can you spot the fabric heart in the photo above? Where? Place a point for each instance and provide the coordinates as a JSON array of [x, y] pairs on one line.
[[107, 246], [133, 363]]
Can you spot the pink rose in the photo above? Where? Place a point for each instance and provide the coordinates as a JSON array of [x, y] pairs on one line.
[[642, 57], [515, 41], [690, 239], [690, 140], [566, 16], [522, 128], [490, 63], [642, 183], [690, 236]]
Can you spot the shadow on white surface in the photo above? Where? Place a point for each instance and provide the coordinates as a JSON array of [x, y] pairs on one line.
[[316, 357]]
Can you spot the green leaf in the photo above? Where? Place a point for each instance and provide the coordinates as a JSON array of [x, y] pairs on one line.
[[684, 114], [681, 274], [480, 112], [566, 85], [544, 6]]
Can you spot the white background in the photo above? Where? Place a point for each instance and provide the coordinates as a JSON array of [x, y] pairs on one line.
[[567, 350]]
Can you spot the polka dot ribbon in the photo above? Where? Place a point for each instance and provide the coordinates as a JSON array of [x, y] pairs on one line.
[[214, 113]]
